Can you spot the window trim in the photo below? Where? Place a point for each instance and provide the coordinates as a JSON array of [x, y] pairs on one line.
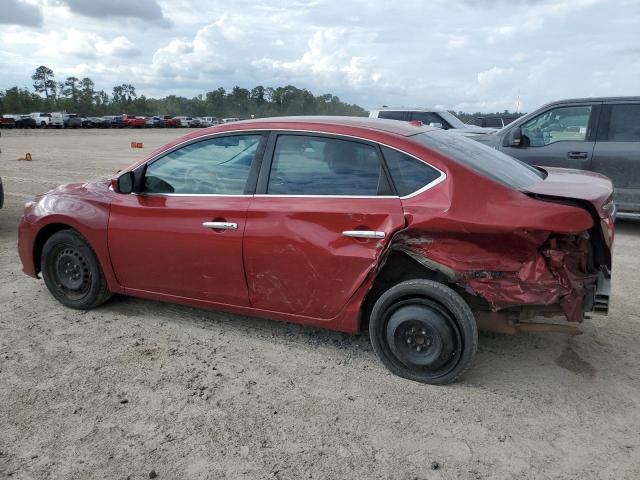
[[259, 161]]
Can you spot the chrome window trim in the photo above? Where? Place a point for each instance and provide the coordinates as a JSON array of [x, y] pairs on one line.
[[440, 179]]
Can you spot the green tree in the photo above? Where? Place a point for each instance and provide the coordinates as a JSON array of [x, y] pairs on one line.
[[43, 80]]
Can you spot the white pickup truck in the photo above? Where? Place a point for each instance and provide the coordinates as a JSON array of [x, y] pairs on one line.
[[43, 120]]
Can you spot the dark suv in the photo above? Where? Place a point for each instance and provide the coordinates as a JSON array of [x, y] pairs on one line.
[[597, 134]]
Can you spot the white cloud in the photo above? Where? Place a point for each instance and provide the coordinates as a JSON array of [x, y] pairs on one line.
[[468, 55]]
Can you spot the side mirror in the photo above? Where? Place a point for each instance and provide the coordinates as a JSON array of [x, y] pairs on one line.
[[435, 124], [514, 139], [124, 183]]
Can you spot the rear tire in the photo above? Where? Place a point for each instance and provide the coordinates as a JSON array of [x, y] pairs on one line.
[[71, 271], [424, 331]]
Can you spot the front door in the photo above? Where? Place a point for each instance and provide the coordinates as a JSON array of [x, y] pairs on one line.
[[181, 235], [560, 137], [617, 153], [324, 217]]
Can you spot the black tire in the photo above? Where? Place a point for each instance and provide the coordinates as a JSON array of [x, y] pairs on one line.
[[424, 331], [71, 271]]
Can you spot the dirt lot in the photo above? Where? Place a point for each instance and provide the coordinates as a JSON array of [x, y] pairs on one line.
[[138, 385]]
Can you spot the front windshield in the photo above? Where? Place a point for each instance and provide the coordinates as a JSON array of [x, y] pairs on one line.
[[485, 160], [454, 121]]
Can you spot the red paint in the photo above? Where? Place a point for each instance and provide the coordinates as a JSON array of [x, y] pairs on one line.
[[133, 121], [288, 259]]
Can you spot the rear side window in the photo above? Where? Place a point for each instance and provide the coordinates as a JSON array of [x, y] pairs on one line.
[[392, 115], [408, 174], [306, 165], [485, 160], [624, 123]]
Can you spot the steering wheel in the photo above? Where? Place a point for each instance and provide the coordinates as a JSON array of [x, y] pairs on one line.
[[201, 180]]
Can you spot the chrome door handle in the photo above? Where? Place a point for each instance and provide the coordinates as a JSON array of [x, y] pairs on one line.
[[363, 234], [221, 225]]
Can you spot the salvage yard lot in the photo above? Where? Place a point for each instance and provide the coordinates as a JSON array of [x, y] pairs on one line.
[[137, 385]]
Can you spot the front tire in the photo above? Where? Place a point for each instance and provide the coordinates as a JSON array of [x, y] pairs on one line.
[[71, 271], [424, 331]]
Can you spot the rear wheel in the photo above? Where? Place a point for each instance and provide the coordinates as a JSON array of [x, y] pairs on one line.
[[72, 272], [424, 331]]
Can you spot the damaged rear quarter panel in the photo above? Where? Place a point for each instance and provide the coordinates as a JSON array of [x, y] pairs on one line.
[[500, 244]]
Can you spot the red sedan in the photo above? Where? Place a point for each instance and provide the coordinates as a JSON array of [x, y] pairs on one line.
[[415, 233]]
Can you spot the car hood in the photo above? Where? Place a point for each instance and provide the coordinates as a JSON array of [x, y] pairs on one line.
[[565, 183], [96, 187]]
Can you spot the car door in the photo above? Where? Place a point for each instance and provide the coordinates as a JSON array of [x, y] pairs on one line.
[[617, 152], [181, 234], [323, 214], [562, 136]]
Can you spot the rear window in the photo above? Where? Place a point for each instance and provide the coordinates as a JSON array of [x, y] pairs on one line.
[[487, 161]]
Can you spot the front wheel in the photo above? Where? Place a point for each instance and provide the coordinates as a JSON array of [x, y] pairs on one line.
[[424, 331], [72, 272]]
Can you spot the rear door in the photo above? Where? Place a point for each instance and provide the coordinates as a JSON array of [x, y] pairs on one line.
[[617, 152], [562, 136], [324, 213]]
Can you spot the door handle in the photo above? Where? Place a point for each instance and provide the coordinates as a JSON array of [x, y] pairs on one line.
[[363, 234], [577, 155], [221, 225]]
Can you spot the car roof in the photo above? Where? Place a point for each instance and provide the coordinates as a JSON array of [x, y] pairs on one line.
[[406, 109], [597, 99], [394, 127]]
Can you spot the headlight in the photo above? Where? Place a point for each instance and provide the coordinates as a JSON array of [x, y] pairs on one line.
[[28, 205]]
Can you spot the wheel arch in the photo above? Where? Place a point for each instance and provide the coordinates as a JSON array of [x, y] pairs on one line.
[[398, 266]]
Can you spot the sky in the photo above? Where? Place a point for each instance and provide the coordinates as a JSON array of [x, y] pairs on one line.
[[469, 55]]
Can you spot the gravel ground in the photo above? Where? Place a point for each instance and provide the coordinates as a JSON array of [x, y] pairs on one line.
[[136, 385]]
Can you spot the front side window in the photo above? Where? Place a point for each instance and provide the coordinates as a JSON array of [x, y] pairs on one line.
[[408, 174], [556, 125], [306, 165], [624, 123], [216, 166]]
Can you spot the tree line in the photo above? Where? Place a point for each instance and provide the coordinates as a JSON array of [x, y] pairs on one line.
[[79, 95]]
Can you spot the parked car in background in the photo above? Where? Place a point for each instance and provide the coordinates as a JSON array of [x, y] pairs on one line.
[[170, 121], [72, 120], [43, 120], [57, 120], [597, 134], [155, 122], [188, 121], [22, 121], [209, 121], [115, 120], [96, 122], [432, 117], [337, 222], [7, 122], [132, 121], [203, 122], [230, 119]]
